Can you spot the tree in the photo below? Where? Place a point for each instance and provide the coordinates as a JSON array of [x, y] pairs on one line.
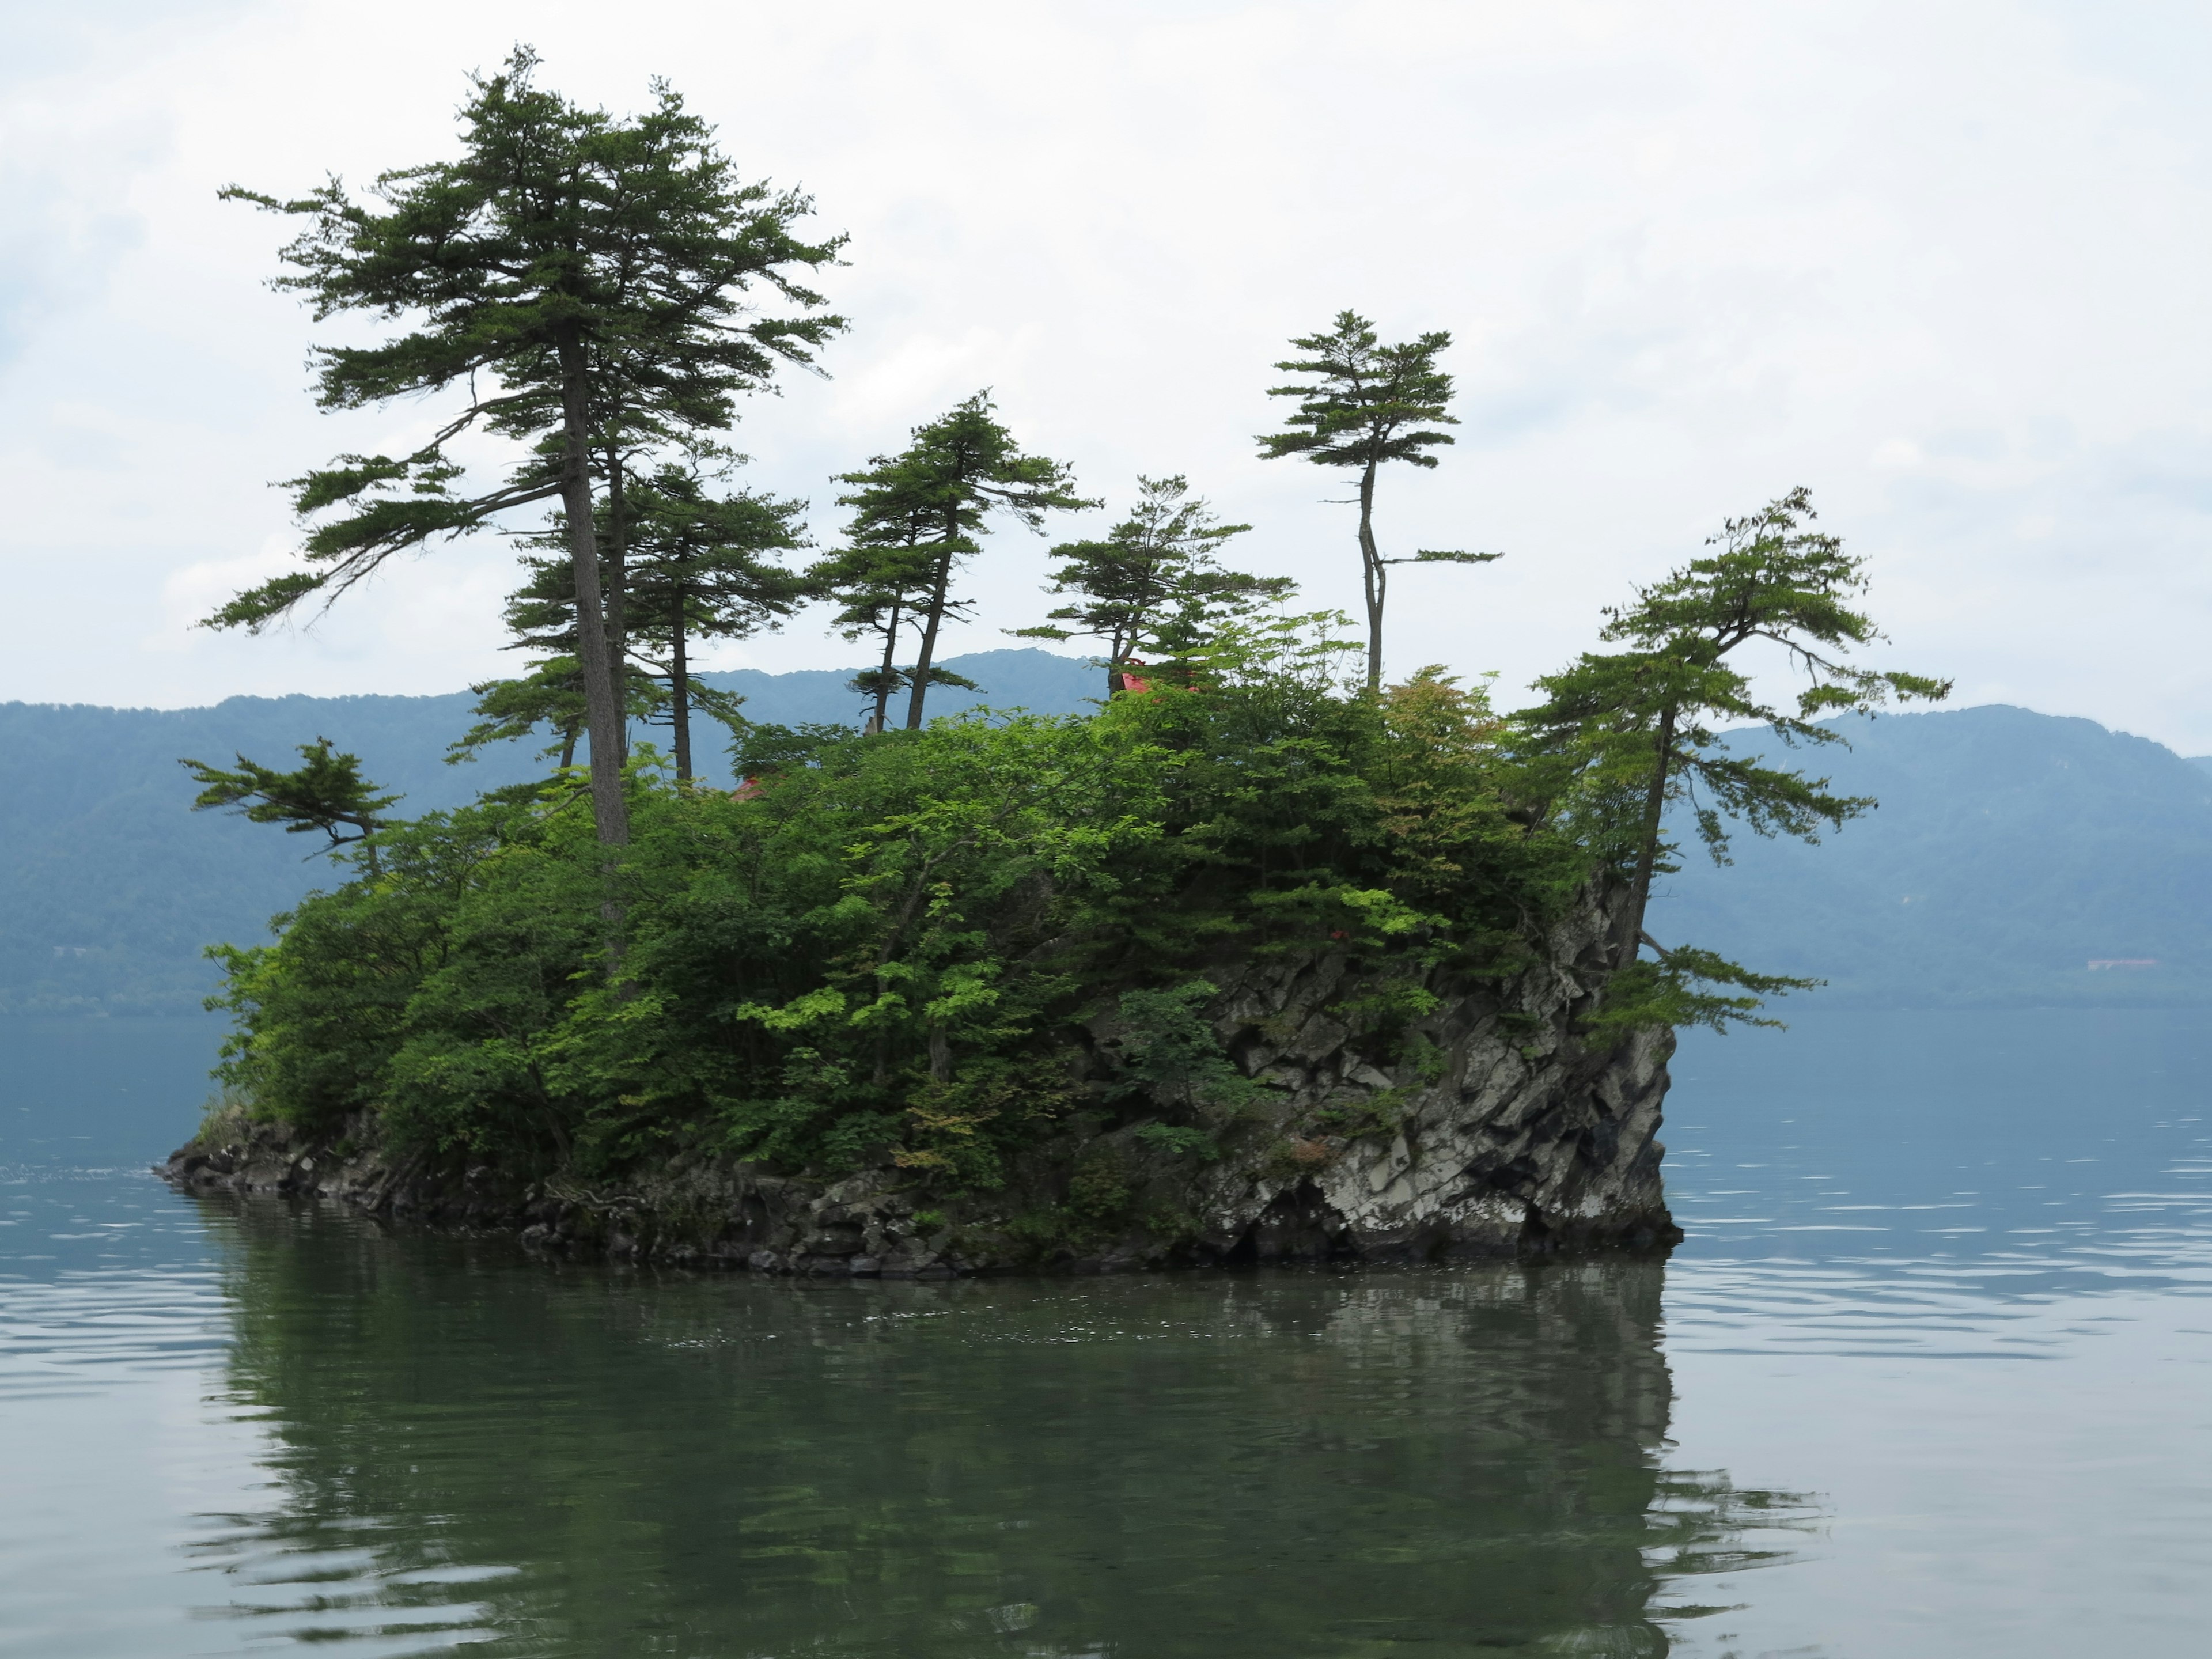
[[541, 616], [1365, 403], [696, 566], [550, 693], [700, 568], [1157, 563], [883, 577], [1632, 728], [582, 281], [959, 469], [328, 794]]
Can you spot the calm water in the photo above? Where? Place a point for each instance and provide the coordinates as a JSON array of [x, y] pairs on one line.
[[1930, 1377]]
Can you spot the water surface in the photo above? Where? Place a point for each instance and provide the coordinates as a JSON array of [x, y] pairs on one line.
[[1929, 1378]]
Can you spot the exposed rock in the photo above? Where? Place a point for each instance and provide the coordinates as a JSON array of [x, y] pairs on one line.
[[1514, 1135]]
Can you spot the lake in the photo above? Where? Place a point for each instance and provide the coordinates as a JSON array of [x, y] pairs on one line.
[[1931, 1375]]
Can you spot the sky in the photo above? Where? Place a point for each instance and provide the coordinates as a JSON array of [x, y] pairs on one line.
[[1944, 266]]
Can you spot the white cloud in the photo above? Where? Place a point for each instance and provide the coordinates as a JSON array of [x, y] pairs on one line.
[[198, 589], [1941, 265]]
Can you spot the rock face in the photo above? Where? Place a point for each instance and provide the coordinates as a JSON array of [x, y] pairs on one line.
[[1507, 1135]]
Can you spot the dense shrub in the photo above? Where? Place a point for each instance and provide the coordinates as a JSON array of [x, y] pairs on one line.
[[902, 940]]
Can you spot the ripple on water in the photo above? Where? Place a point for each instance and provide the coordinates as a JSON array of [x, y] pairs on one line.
[[104, 1274]]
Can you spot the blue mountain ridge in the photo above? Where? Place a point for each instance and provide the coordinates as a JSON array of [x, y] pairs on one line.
[[2011, 850], [2015, 859]]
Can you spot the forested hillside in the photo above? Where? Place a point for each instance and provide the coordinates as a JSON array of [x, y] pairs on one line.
[[110, 885], [2011, 850]]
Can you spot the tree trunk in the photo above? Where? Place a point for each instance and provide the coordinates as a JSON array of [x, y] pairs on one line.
[[883, 676], [617, 588], [1654, 807], [1372, 576], [679, 688], [603, 710], [929, 639]]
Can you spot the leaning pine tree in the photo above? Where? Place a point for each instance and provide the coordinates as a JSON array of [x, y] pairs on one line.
[[1624, 734], [328, 794], [569, 275]]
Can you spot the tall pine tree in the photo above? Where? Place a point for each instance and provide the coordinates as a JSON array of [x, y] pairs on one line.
[[582, 282], [1363, 404]]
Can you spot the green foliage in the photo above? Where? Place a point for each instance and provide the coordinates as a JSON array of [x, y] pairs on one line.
[[918, 517], [1362, 404], [894, 948], [1154, 580], [327, 794], [1098, 1190], [1179, 1139], [1685, 987], [1170, 1055], [1621, 735]]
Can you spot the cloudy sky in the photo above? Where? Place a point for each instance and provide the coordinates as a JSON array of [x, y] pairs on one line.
[[1945, 265]]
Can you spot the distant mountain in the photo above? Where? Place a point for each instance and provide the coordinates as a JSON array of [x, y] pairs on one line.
[[2016, 859], [110, 885]]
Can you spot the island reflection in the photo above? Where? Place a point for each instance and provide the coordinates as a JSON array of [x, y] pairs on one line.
[[466, 1445]]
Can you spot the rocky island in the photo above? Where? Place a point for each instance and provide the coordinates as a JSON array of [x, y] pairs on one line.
[[1271, 958], [1256, 963]]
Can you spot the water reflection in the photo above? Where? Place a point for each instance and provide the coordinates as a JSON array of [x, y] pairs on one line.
[[469, 1447]]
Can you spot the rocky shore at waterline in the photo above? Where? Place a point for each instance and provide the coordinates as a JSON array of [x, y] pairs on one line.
[[1516, 1136]]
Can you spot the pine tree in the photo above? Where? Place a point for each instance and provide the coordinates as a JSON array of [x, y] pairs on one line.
[[582, 282], [1157, 563], [700, 568], [958, 471], [882, 578], [1631, 729], [327, 794], [1365, 403]]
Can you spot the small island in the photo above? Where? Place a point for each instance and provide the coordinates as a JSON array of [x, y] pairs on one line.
[[1272, 957]]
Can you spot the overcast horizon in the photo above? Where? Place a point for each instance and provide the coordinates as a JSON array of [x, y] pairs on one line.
[[1940, 268]]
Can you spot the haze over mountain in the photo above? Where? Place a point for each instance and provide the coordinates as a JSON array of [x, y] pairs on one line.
[[2013, 853], [2011, 850]]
